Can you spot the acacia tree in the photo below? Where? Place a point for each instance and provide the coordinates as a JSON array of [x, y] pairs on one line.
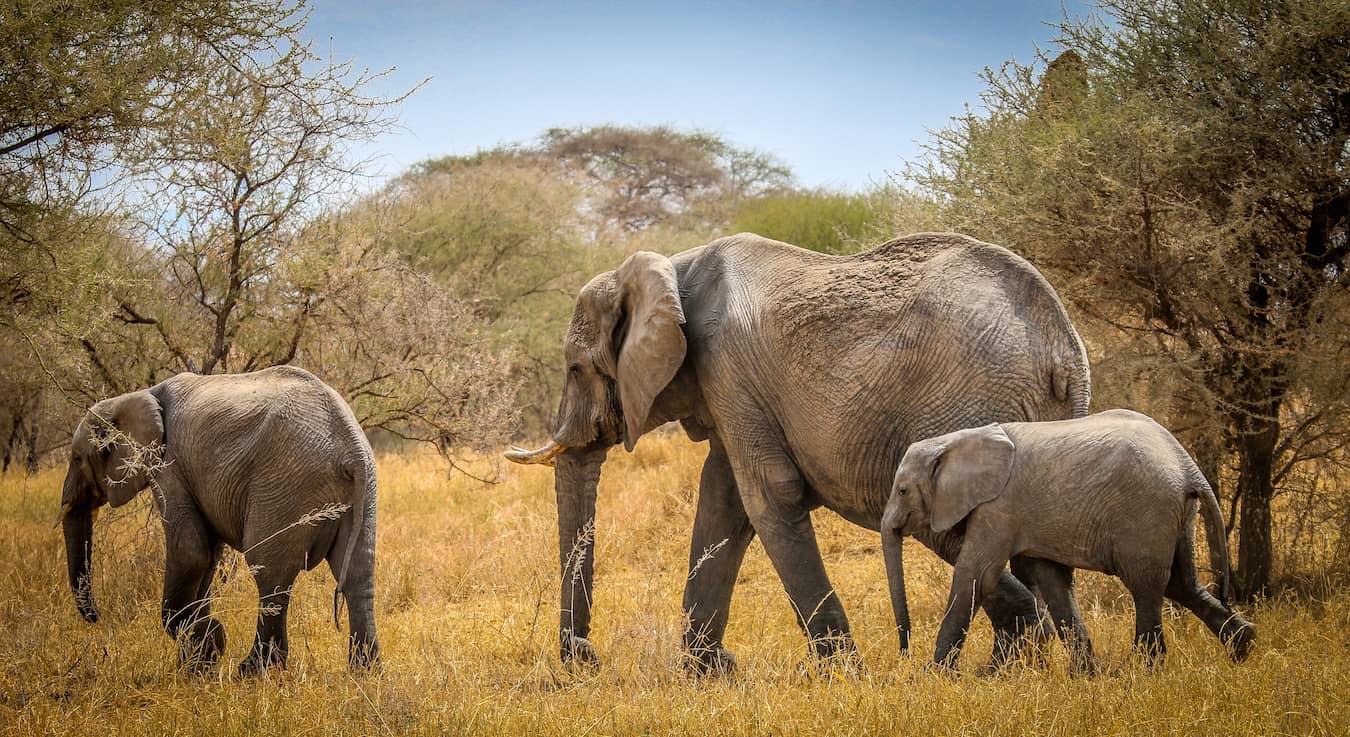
[[80, 89], [1185, 176], [82, 85], [256, 272], [221, 246], [517, 230], [641, 177], [413, 358], [504, 234]]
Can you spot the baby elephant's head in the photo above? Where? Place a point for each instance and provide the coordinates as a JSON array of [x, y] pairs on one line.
[[942, 479]]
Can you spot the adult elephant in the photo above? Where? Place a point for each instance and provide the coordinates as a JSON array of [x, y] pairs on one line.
[[264, 462], [808, 375]]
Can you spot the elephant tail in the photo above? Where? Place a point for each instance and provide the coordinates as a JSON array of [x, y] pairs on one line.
[[363, 495], [1215, 534], [1071, 381]]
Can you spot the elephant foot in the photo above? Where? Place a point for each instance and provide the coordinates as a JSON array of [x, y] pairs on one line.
[[833, 656], [715, 661], [1084, 668], [84, 602], [260, 659], [1023, 645], [200, 647], [578, 651], [1239, 636], [833, 646], [947, 668], [363, 656]]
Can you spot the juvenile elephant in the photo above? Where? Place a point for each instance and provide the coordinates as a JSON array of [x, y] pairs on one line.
[[808, 375], [238, 460], [1114, 492]]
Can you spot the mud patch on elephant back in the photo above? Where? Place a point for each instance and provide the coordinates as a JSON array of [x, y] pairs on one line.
[[874, 292]]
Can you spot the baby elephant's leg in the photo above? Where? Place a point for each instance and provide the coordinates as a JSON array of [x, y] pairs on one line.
[[1055, 582], [1184, 588], [1146, 584], [975, 577]]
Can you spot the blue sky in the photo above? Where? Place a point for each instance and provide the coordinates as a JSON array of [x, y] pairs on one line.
[[842, 91]]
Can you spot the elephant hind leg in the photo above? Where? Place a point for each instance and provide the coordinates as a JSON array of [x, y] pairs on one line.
[[1236, 633], [270, 646], [1054, 581], [358, 592], [1146, 584]]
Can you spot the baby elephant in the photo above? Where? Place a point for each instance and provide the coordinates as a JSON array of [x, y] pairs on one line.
[[271, 463], [1113, 492]]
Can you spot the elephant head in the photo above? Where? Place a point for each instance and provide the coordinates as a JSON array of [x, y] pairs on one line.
[[112, 456], [939, 482], [624, 345]]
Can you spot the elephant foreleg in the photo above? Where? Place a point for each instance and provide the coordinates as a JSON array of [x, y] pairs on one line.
[[973, 580], [722, 532], [1010, 605], [204, 586], [190, 559]]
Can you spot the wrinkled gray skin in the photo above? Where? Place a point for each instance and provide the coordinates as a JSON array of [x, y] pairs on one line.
[[245, 456], [1114, 492], [808, 375]]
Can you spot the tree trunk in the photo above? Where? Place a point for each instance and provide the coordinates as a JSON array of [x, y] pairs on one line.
[[10, 443], [1256, 488], [30, 464]]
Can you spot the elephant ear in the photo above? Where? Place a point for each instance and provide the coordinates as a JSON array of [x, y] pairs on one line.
[[129, 433], [652, 341], [971, 469]]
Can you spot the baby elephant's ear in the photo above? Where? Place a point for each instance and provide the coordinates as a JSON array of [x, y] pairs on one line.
[[972, 469]]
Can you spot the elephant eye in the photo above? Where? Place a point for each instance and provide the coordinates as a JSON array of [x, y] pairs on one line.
[[903, 490], [574, 369]]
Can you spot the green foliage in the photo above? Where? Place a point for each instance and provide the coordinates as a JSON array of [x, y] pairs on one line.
[[821, 220], [506, 235], [221, 140], [83, 84], [1182, 175]]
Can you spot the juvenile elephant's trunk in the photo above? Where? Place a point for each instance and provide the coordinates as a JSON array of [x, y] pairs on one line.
[[892, 543], [79, 531], [576, 477]]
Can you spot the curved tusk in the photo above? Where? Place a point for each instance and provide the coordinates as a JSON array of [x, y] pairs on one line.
[[543, 456], [65, 510]]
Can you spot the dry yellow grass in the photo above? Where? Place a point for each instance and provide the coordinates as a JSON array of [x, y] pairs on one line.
[[467, 615]]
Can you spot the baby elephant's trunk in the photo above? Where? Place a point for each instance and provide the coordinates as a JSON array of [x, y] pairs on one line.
[[892, 547]]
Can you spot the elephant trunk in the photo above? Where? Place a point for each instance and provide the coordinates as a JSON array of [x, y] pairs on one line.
[[79, 531], [892, 543], [576, 476]]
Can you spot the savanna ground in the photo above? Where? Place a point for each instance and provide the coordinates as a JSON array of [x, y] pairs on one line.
[[467, 587]]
